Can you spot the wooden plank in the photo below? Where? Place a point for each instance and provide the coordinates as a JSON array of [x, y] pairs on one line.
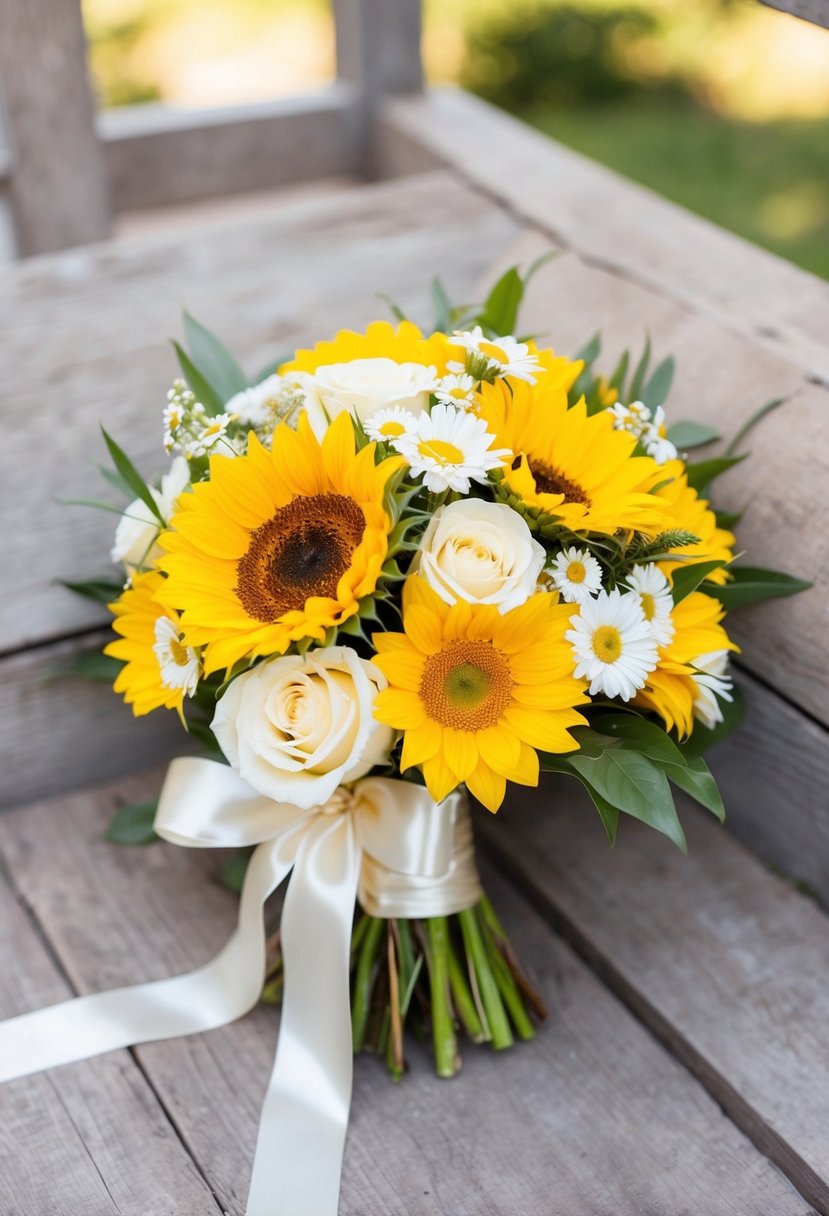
[[724, 961], [108, 1143], [593, 1117], [722, 378], [91, 323], [816, 11], [158, 154], [615, 223], [58, 185]]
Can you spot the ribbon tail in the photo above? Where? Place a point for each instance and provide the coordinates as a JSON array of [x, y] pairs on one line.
[[212, 996], [299, 1152]]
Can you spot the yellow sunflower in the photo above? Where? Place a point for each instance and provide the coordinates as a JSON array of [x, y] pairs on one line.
[[569, 464], [671, 689], [476, 691], [278, 546], [159, 670], [692, 513], [404, 343]]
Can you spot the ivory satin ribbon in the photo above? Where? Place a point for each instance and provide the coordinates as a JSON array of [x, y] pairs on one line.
[[407, 856]]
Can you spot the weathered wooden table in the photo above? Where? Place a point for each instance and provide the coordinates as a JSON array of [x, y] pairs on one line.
[[685, 1065]]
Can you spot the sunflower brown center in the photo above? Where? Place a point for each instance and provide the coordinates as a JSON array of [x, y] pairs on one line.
[[302, 551], [550, 480], [467, 685]]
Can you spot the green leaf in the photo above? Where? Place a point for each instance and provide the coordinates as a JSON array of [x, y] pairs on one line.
[[232, 874], [697, 780], [590, 351], [115, 480], [637, 384], [500, 311], [686, 579], [442, 306], [634, 784], [751, 423], [92, 665], [687, 435], [100, 590], [394, 308], [131, 477], [617, 380], [608, 814], [133, 824], [704, 737], [751, 584], [214, 359], [657, 388], [701, 474], [204, 391], [728, 519]]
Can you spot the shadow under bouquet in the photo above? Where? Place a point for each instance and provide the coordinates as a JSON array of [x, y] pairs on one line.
[[400, 568]]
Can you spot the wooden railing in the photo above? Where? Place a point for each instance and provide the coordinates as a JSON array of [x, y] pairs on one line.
[[65, 170]]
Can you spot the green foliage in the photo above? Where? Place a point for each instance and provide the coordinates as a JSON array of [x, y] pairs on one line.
[[214, 360], [751, 584], [233, 871], [130, 476], [92, 665], [204, 391], [701, 474], [133, 824], [99, 590], [687, 578], [687, 435], [703, 739]]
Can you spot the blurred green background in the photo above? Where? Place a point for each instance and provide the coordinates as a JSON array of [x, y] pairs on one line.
[[721, 105]]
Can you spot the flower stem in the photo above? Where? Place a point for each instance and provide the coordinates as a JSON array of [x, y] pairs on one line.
[[506, 984], [463, 999], [530, 994], [443, 1026], [363, 981], [490, 996], [394, 1050]]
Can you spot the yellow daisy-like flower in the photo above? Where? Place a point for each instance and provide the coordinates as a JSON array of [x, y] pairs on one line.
[[475, 691], [569, 464], [278, 546], [671, 689], [692, 513], [159, 669], [404, 343]]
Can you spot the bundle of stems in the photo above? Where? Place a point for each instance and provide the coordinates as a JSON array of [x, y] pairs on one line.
[[440, 977]]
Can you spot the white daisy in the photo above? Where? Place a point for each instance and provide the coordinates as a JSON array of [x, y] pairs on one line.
[[654, 591], [390, 424], [613, 644], [711, 683], [456, 389], [647, 427], [450, 448], [486, 358], [576, 575], [179, 664], [135, 538]]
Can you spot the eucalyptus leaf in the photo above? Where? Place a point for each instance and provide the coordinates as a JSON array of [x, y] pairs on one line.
[[394, 308], [133, 824], [637, 384], [214, 360], [751, 423], [701, 474], [617, 380], [131, 477], [656, 390], [750, 584], [687, 435], [204, 391]]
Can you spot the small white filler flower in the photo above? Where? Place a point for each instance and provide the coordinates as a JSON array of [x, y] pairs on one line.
[[576, 575], [654, 591], [179, 664], [613, 644], [450, 449], [712, 685], [487, 359]]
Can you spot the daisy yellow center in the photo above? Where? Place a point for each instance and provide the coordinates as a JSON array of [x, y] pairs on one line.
[[466, 685], [550, 480], [576, 572], [607, 643], [302, 551], [493, 352], [441, 451], [648, 605], [459, 394], [392, 429], [178, 653]]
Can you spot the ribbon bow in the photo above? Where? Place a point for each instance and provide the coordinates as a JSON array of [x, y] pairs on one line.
[[406, 855]]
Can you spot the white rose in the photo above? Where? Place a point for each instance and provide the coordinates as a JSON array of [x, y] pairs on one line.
[[482, 552], [298, 726], [365, 385], [138, 528]]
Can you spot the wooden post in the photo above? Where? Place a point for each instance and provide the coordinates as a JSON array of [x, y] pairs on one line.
[[58, 184], [378, 54]]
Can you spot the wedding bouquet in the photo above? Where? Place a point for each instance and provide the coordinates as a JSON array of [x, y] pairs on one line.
[[401, 567]]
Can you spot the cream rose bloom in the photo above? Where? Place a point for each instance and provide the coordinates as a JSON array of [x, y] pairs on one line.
[[137, 531], [482, 552], [363, 386], [298, 726]]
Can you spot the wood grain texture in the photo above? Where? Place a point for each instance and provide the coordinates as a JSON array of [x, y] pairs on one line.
[[620, 225], [83, 340], [591, 1119], [108, 1144], [157, 154], [58, 185], [722, 378], [724, 961], [816, 11]]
